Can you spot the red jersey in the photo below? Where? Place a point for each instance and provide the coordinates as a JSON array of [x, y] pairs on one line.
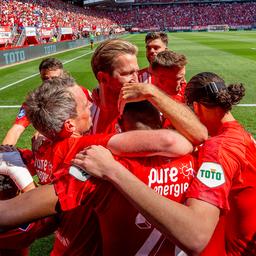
[[170, 178], [48, 158], [227, 179], [102, 123], [145, 76], [78, 231]]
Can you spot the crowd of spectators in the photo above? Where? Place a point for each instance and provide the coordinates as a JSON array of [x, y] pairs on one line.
[[167, 16], [46, 13], [56, 14]]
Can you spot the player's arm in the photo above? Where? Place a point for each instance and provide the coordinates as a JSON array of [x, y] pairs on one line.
[[190, 226], [182, 118], [13, 134], [150, 142], [27, 207]]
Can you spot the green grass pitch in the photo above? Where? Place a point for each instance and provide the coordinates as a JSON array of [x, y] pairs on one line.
[[230, 54]]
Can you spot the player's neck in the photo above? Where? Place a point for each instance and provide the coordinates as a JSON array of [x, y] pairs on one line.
[[108, 102]]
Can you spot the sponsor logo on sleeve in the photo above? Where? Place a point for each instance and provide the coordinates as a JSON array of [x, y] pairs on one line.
[[211, 174], [79, 173]]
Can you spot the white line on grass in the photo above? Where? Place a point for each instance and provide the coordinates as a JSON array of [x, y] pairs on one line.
[[28, 77], [14, 106], [21, 80], [246, 105]]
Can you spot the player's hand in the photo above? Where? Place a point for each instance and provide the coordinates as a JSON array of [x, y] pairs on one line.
[[133, 92], [95, 160], [11, 164]]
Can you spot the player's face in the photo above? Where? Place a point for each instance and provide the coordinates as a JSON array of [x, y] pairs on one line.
[[207, 116], [125, 71], [47, 74], [169, 80], [83, 121], [153, 47]]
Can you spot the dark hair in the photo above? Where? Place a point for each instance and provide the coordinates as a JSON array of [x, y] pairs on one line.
[[50, 63], [157, 35], [142, 112], [210, 89], [169, 59]]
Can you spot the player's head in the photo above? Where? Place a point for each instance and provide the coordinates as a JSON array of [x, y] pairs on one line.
[[50, 67], [211, 98], [155, 43], [140, 116], [114, 63], [59, 108], [168, 69]]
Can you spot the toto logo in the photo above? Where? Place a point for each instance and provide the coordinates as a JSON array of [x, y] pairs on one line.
[[13, 57]]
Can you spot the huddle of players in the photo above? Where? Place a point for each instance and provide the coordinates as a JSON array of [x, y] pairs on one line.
[[111, 223]]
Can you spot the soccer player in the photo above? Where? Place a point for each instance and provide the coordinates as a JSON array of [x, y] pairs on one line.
[[168, 68], [92, 40], [67, 239], [48, 68], [114, 64], [155, 43], [225, 185]]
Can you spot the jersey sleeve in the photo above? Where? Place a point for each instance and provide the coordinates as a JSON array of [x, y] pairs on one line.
[[217, 168], [74, 187], [21, 118]]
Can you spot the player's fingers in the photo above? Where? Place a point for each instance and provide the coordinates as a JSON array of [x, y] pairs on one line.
[[80, 156], [77, 161]]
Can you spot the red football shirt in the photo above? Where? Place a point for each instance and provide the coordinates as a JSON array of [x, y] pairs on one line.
[[125, 230], [145, 76], [227, 179], [78, 231]]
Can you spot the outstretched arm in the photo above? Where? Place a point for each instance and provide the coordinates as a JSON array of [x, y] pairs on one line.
[[150, 142], [182, 118], [13, 135], [181, 223], [34, 204]]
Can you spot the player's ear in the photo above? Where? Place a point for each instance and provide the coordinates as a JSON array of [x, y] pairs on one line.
[[67, 129], [69, 125]]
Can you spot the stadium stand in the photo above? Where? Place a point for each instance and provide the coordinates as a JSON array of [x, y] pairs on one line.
[[49, 17]]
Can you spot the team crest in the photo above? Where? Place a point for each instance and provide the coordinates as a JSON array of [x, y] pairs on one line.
[[79, 173], [211, 174]]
